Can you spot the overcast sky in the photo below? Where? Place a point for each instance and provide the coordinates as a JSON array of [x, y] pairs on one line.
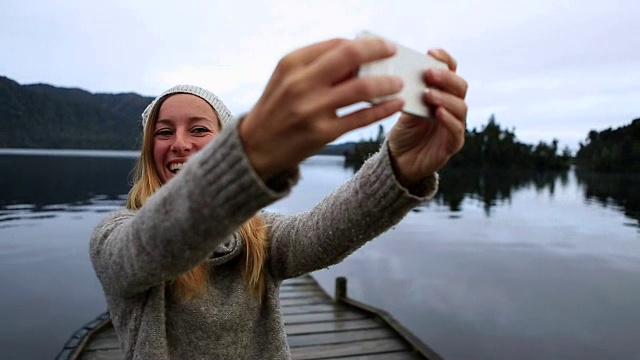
[[549, 69]]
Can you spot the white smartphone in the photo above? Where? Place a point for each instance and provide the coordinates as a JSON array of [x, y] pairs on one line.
[[410, 66]]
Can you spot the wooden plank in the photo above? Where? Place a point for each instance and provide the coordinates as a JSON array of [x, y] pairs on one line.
[[403, 355], [298, 287], [304, 301], [299, 281], [103, 343], [104, 339], [365, 347], [102, 355], [301, 289], [285, 289], [305, 280], [304, 294], [339, 337], [298, 329], [310, 309], [107, 331], [323, 317], [317, 293]]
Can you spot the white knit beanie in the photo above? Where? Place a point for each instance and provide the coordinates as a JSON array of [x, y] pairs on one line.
[[220, 108]]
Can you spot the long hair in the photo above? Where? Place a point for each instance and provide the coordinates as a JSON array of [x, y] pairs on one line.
[[195, 281]]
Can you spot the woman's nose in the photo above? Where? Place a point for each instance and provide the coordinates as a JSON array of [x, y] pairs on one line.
[[182, 143]]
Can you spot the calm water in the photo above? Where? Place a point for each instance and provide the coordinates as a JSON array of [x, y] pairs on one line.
[[498, 266]]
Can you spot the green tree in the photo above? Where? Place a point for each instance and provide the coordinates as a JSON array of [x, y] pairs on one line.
[[612, 150]]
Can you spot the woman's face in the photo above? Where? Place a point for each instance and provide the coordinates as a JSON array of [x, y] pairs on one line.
[[185, 124]]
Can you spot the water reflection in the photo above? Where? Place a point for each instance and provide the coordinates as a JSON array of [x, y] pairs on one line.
[[491, 187], [621, 191], [47, 180], [37, 187], [68, 183]]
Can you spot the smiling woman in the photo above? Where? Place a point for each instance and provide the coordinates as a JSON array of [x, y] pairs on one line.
[[186, 123], [180, 122], [191, 268]]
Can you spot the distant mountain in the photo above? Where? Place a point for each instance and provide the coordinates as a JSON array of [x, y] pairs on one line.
[[45, 116], [49, 117]]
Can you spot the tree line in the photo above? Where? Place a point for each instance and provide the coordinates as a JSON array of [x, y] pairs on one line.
[[491, 147], [612, 150]]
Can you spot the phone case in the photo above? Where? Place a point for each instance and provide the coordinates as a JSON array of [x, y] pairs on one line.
[[410, 65]]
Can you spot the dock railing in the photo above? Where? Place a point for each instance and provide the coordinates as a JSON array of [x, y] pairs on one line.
[[414, 342]]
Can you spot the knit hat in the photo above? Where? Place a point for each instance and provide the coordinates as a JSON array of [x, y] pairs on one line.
[[218, 106]]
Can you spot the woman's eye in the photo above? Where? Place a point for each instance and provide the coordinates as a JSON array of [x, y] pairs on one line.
[[163, 132], [200, 130]]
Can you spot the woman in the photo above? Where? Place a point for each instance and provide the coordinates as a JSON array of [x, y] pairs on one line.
[[190, 269]]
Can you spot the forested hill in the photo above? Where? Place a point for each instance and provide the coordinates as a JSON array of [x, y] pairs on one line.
[[612, 150], [44, 116]]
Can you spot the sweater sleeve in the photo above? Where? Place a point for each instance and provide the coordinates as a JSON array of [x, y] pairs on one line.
[[364, 207], [184, 221]]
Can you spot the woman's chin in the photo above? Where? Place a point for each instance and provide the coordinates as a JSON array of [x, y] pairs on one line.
[[166, 176]]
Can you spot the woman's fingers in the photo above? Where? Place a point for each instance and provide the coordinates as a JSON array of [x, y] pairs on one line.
[[364, 117], [452, 103], [454, 126], [327, 81], [447, 81], [348, 56], [298, 59], [308, 54], [357, 90], [445, 57]]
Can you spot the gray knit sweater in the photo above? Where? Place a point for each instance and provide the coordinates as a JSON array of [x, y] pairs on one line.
[[194, 217]]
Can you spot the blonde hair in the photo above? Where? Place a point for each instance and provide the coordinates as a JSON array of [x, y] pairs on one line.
[[195, 281]]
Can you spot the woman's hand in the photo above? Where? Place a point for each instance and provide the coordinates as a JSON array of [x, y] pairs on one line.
[[419, 147], [296, 115]]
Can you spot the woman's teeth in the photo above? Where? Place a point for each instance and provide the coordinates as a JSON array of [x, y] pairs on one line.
[[175, 167]]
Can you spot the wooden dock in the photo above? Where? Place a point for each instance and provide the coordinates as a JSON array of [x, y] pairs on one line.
[[317, 326]]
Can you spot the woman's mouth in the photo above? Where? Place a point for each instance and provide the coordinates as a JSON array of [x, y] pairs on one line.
[[175, 167]]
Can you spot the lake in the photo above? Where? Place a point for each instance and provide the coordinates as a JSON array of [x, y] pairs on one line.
[[498, 266]]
